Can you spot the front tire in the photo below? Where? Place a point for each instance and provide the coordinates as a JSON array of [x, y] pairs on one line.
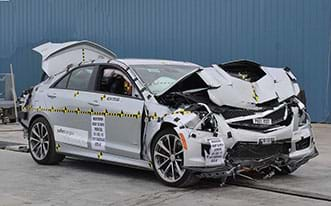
[[42, 144], [168, 159]]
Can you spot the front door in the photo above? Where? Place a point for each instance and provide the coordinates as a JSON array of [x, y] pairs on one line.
[[119, 107]]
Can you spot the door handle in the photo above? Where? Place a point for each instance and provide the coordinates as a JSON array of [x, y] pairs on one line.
[[94, 103], [51, 95]]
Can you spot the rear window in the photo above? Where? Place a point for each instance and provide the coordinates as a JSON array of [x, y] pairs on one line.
[[78, 79], [63, 83]]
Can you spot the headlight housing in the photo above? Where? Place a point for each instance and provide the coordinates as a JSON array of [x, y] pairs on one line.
[[204, 119], [304, 117]]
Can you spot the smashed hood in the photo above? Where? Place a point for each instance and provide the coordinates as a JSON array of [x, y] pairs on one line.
[[56, 57], [242, 84], [245, 84]]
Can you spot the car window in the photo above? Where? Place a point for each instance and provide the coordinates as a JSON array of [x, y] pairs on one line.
[[116, 82], [80, 78], [62, 84], [159, 78]]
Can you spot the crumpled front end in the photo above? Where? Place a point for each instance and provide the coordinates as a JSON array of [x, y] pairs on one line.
[[278, 139], [249, 117]]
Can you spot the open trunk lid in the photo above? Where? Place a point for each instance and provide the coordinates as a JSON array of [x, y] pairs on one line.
[[57, 56]]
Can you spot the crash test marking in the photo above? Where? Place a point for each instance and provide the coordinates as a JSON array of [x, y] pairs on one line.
[[98, 133]]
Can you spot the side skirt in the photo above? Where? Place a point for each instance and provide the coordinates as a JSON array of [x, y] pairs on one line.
[[70, 150]]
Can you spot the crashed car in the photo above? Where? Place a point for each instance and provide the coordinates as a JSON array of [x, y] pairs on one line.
[[179, 119]]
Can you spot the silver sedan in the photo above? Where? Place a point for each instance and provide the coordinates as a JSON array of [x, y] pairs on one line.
[[179, 119]]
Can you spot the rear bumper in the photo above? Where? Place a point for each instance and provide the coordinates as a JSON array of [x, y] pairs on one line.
[[23, 119], [23, 115]]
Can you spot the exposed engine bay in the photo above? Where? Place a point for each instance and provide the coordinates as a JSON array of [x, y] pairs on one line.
[[193, 90]]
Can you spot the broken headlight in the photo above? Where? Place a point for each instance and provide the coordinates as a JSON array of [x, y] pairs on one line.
[[204, 119], [303, 115], [209, 124], [204, 122]]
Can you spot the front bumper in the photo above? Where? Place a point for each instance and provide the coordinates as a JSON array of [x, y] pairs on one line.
[[229, 169], [289, 151]]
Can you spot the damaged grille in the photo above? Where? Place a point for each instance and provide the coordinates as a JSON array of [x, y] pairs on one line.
[[277, 118], [254, 151]]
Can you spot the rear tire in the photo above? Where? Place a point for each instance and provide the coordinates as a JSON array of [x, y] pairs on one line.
[[42, 144], [168, 159]]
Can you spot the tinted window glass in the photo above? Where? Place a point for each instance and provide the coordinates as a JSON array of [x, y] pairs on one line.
[[80, 78], [62, 84]]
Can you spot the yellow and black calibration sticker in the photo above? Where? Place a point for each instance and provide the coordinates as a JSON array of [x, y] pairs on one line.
[[76, 93], [57, 147], [103, 97], [121, 114], [254, 94], [99, 155], [79, 111], [150, 164], [83, 55]]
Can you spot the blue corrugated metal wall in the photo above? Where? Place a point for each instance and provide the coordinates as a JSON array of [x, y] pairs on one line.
[[279, 33]]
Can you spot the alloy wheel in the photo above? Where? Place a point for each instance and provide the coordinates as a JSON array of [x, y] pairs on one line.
[[168, 158], [39, 141]]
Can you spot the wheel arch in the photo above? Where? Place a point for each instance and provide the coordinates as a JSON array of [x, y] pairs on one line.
[[185, 179], [36, 116], [163, 126], [166, 125]]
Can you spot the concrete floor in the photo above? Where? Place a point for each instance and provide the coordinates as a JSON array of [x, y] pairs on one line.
[[76, 182]]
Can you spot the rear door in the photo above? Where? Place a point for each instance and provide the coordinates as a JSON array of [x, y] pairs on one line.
[[69, 106], [121, 107]]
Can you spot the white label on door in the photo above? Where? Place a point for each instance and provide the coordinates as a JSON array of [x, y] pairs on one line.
[[71, 136], [98, 133], [216, 152]]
